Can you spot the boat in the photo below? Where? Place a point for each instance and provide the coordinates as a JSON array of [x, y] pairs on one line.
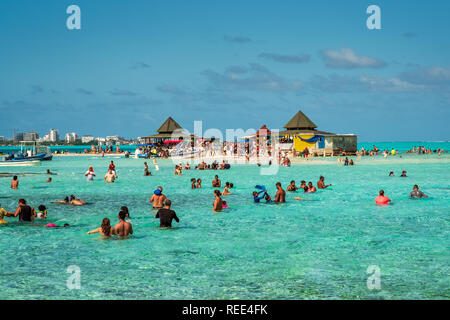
[[19, 163], [31, 150]]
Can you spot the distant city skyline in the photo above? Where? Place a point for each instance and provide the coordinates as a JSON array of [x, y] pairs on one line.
[[232, 64]]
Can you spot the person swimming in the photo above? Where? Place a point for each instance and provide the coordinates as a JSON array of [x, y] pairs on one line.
[[224, 204], [391, 174], [403, 174], [321, 183], [166, 215], [218, 203], [123, 228], [90, 174], [41, 213], [3, 213], [416, 193], [292, 186], [280, 196], [105, 229], [158, 198], [382, 199], [311, 188], [226, 189]]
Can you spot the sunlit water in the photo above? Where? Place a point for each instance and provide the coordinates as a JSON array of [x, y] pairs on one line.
[[319, 248]]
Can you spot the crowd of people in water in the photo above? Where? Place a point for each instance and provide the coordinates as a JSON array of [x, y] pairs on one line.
[[162, 204]]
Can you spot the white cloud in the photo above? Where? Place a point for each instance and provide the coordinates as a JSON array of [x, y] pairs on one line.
[[346, 58]]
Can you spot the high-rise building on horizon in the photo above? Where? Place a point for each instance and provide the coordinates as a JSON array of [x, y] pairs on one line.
[[71, 137], [53, 135], [87, 138]]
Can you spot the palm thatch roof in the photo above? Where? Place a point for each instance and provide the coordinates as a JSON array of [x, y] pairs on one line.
[[169, 125], [300, 122]]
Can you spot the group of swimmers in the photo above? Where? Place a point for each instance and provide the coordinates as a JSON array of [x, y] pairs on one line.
[[382, 199]]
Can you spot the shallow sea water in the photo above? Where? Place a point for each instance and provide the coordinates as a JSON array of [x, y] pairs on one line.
[[314, 249]]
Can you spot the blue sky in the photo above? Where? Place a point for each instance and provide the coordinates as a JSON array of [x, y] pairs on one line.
[[232, 64]]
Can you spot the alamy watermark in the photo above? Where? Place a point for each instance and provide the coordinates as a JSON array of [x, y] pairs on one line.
[[74, 280]]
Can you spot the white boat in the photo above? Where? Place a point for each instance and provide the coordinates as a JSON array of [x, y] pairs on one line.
[[19, 163]]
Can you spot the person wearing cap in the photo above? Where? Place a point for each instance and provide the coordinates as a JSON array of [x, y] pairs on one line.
[[158, 198], [403, 174]]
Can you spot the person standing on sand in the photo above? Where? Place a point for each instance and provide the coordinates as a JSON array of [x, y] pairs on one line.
[[321, 183], [280, 196], [158, 198], [218, 203], [123, 228], [15, 183], [166, 215]]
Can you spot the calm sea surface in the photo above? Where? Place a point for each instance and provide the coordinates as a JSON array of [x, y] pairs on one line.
[[314, 249]]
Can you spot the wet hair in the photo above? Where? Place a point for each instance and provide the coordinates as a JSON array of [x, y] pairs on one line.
[[42, 208], [217, 192], [193, 180], [416, 186], [106, 226], [66, 199], [167, 202], [292, 181], [231, 185], [122, 215], [227, 184], [278, 184], [125, 209], [15, 178], [381, 192], [22, 201]]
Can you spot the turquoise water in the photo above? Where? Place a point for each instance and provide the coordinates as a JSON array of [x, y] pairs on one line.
[[314, 249]]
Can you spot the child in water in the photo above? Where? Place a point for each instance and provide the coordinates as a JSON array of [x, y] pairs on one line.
[[3, 213], [42, 212]]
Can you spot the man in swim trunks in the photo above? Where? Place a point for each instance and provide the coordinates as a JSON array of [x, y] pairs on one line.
[[158, 198], [416, 193], [123, 228], [15, 183], [110, 176], [24, 211], [166, 215], [382, 199], [292, 186], [281, 194], [321, 183], [218, 204], [216, 182]]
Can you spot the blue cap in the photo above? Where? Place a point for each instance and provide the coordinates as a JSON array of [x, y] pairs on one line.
[[157, 192]]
